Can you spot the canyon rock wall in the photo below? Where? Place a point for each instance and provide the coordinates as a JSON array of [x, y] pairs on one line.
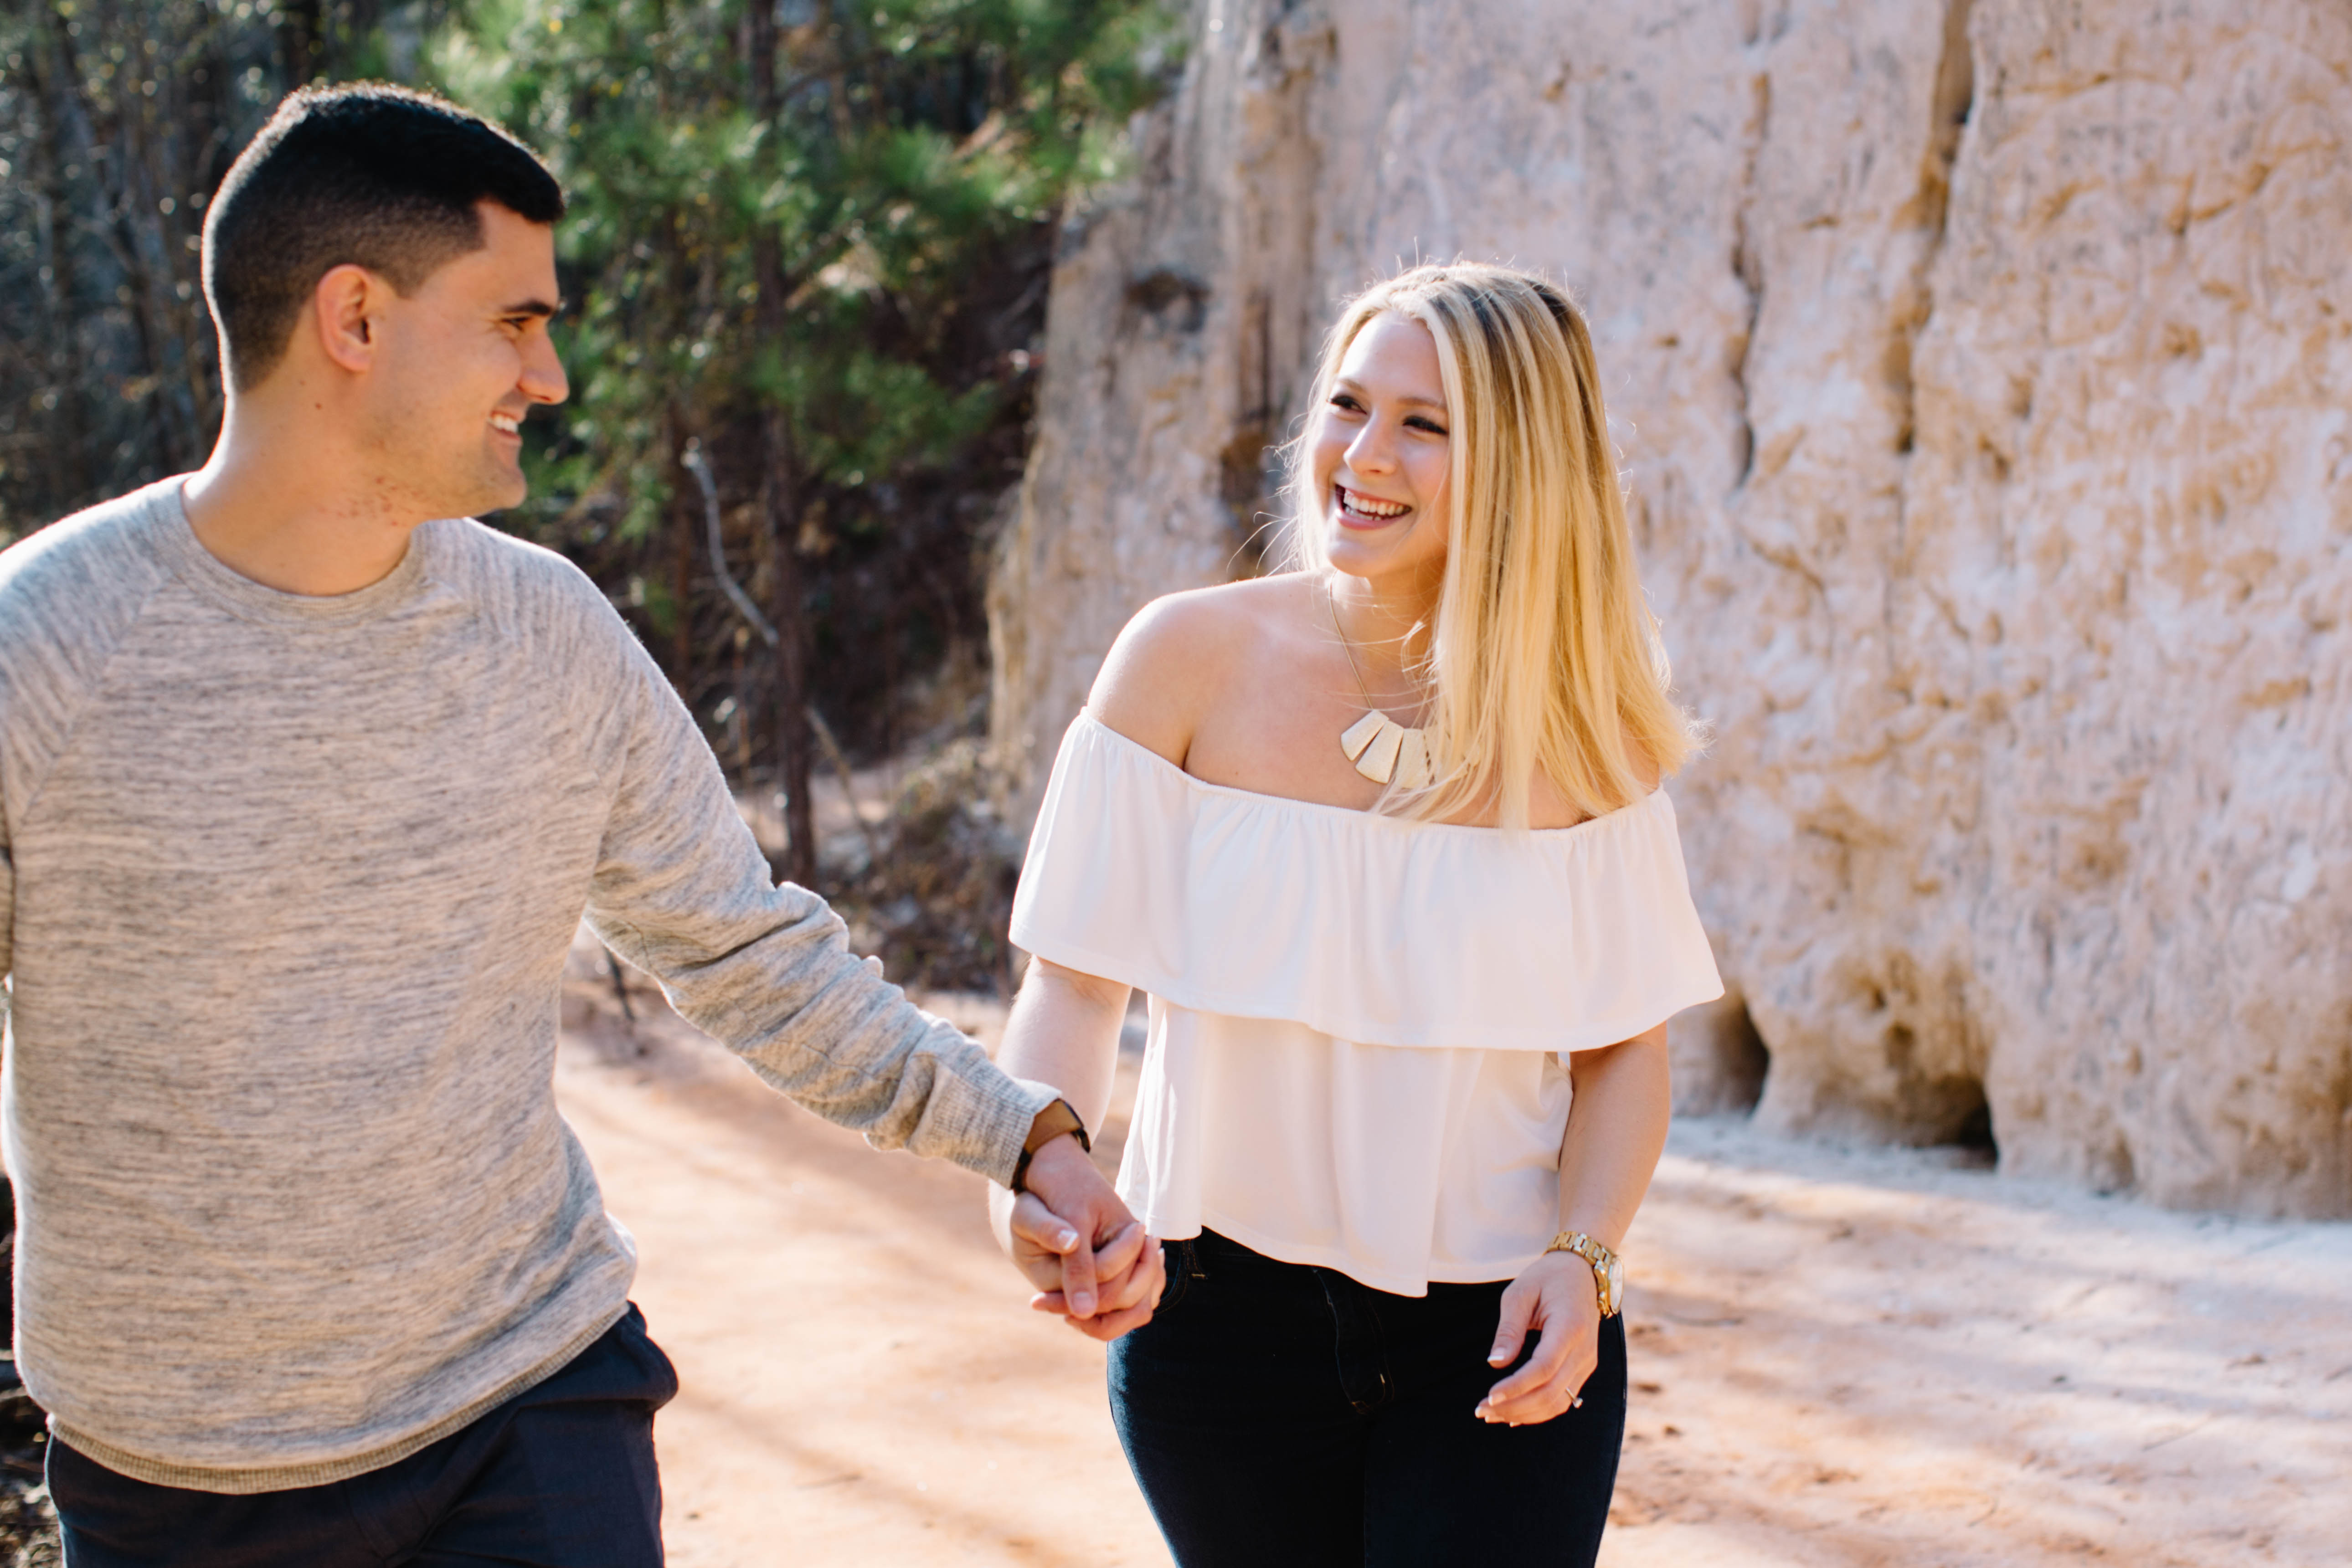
[[1983, 378]]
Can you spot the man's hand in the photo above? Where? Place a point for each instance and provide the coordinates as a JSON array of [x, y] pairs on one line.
[[1075, 1241]]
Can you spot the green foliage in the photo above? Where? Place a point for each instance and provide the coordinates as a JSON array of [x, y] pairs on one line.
[[917, 153], [904, 185]]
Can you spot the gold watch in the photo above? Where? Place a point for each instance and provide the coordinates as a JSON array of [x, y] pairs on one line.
[[1051, 1123], [1607, 1273]]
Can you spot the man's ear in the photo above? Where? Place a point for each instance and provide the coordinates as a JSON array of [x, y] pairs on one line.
[[346, 304]]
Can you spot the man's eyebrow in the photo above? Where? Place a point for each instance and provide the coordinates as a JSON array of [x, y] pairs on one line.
[[533, 307]]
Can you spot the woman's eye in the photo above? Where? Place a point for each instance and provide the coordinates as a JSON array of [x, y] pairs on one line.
[[1430, 425], [1341, 400]]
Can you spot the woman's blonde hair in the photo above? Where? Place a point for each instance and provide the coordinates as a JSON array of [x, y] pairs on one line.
[[1544, 653]]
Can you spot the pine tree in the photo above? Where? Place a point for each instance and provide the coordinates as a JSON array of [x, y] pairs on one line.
[[809, 243]]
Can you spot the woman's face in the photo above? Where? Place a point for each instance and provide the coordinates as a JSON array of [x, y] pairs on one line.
[[1378, 449]]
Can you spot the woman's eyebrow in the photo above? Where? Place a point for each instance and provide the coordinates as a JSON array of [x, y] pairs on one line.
[[1347, 383]]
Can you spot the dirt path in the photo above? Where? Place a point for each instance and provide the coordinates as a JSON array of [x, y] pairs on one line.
[[1862, 1358], [863, 1381], [1841, 1359]]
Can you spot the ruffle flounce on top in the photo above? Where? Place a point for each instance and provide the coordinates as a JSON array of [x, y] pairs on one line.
[[1369, 929]]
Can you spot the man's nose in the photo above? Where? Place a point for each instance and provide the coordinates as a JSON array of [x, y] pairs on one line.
[[543, 380]]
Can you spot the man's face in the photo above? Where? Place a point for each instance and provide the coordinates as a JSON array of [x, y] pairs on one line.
[[459, 363]]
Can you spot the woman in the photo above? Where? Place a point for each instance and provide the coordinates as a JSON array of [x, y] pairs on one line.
[[1381, 838]]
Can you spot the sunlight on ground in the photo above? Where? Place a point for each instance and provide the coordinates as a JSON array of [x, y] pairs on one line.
[[1840, 1359]]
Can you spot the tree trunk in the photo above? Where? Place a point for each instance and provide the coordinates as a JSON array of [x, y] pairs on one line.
[[780, 498], [686, 525], [73, 477], [302, 30]]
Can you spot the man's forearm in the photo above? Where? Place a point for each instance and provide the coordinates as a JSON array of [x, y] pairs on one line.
[[822, 1025], [908, 1083]]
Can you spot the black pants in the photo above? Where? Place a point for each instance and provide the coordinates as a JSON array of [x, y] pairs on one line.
[[1287, 1415], [562, 1475]]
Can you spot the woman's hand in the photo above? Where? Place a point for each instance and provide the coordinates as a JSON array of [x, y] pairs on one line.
[[1556, 1299], [1069, 1233], [1616, 1128], [1096, 1268]]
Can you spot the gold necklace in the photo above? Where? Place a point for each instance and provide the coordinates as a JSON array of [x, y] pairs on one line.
[[1383, 751]]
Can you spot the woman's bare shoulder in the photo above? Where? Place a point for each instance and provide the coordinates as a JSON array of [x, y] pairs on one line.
[[1181, 654]]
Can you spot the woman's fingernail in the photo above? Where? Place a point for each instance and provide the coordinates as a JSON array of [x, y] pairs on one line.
[[1082, 1304], [1066, 1239]]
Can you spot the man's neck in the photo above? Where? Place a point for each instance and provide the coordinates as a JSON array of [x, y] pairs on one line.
[[273, 507]]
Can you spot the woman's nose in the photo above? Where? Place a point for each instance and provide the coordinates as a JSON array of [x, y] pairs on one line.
[[1371, 452]]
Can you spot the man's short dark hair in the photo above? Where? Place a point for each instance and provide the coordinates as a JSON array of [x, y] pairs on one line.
[[367, 173]]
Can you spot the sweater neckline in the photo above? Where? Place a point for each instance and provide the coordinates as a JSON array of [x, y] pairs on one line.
[[214, 579]]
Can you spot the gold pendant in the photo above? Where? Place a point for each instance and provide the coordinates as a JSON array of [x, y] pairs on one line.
[[1385, 751]]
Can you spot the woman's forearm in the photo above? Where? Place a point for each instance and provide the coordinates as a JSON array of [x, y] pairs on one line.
[[1064, 1030], [1616, 1131]]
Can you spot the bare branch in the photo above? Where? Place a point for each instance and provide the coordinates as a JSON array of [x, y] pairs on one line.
[[695, 463]]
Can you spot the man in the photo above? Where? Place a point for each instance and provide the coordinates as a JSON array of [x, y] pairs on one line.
[[302, 796]]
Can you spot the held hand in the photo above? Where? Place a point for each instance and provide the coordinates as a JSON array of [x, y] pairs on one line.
[[1045, 1248], [1555, 1298], [1074, 1238]]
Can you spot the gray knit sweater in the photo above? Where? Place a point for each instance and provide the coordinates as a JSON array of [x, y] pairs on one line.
[[286, 888]]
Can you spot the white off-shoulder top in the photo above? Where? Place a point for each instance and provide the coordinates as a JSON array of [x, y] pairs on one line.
[[1359, 1025]]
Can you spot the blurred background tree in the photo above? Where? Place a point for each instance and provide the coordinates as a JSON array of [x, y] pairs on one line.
[[808, 255], [811, 244]]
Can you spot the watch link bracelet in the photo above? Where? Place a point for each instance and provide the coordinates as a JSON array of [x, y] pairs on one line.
[[1607, 1273], [1052, 1122]]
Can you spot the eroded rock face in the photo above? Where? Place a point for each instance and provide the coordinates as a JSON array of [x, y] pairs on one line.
[[1982, 375]]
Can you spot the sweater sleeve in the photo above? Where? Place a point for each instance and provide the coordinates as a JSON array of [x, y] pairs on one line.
[[682, 891], [69, 593]]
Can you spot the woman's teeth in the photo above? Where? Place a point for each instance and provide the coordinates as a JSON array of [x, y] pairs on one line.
[[1364, 506]]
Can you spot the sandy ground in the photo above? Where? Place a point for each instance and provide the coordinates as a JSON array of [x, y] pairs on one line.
[[1840, 1359]]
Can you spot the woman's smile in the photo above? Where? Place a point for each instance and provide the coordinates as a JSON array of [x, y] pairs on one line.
[[1358, 509]]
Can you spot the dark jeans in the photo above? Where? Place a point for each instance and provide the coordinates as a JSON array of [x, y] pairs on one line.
[[561, 1475], [1287, 1415]]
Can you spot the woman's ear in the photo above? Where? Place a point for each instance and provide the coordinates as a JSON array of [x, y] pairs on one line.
[[344, 306]]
